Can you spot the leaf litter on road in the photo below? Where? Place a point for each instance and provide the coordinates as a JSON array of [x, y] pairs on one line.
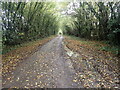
[[95, 68], [89, 68]]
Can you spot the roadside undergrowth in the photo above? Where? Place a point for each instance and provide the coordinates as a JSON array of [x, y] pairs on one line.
[[98, 45]]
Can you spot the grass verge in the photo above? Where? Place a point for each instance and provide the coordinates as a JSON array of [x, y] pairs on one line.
[[100, 45]]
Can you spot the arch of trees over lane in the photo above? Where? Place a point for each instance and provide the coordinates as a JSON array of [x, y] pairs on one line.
[[24, 21]]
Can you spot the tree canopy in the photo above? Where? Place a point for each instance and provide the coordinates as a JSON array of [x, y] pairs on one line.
[[96, 20], [23, 21]]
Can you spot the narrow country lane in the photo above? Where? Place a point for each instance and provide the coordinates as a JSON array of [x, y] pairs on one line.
[[55, 65], [59, 44], [48, 67]]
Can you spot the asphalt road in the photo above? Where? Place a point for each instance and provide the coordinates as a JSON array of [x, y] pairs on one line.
[[49, 67], [55, 66]]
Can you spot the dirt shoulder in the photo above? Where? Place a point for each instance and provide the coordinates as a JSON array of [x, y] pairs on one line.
[[95, 68], [12, 59]]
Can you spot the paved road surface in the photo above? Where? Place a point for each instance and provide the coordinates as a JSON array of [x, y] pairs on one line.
[[48, 67], [56, 66]]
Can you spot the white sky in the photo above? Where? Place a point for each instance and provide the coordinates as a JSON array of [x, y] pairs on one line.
[[61, 0]]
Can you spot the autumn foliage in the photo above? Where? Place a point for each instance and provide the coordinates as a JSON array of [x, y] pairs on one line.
[[12, 59]]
